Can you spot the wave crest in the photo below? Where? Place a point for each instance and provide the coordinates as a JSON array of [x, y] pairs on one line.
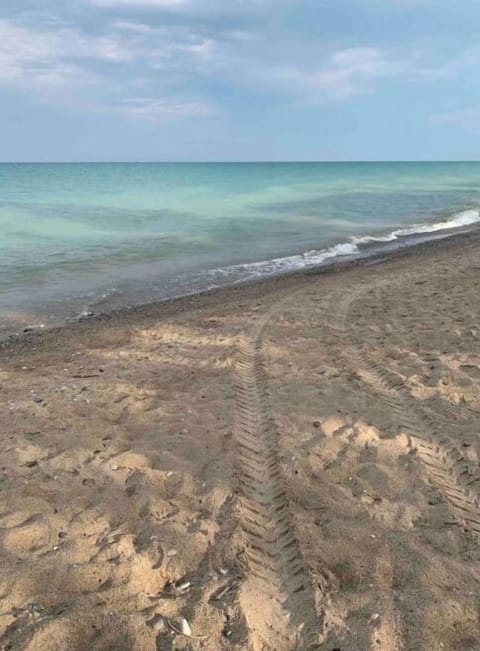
[[352, 248]]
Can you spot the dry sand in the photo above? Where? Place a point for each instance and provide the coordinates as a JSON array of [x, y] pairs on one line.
[[291, 465]]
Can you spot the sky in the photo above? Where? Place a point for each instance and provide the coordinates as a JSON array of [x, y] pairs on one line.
[[241, 80]]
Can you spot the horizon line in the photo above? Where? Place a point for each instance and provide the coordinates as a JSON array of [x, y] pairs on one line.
[[230, 162]]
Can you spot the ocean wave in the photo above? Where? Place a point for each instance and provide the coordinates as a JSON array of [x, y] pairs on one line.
[[353, 248], [464, 218]]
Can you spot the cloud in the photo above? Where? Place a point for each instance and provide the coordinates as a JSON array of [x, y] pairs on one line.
[[457, 66], [467, 119], [137, 28], [21, 50], [45, 57], [152, 43], [206, 8], [156, 110], [154, 4], [46, 61], [400, 5], [350, 71], [206, 53], [353, 71], [65, 55]]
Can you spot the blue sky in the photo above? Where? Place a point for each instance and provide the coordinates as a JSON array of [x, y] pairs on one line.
[[239, 80]]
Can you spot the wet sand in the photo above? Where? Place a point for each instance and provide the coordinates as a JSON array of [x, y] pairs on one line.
[[287, 465]]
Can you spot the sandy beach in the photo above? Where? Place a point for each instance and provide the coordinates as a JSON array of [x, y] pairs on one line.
[[287, 465]]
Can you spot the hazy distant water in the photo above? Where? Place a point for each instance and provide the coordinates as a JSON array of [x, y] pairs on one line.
[[89, 237]]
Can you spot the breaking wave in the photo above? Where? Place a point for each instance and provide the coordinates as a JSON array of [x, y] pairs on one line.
[[355, 247]]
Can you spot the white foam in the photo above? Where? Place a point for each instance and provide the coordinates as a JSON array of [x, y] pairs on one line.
[[289, 263], [464, 218], [248, 271]]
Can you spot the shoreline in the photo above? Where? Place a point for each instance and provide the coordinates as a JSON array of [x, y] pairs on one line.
[[123, 471], [208, 298]]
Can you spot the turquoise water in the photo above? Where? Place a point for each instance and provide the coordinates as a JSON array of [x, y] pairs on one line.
[[77, 238]]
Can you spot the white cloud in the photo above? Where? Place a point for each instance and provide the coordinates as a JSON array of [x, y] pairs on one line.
[[170, 60], [45, 57], [137, 28], [160, 4], [353, 70], [47, 61], [72, 44], [56, 55], [21, 50], [405, 5], [156, 110], [238, 8], [459, 65], [350, 71], [466, 119], [153, 43]]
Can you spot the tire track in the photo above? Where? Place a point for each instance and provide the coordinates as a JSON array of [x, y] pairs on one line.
[[277, 598], [445, 464], [387, 630]]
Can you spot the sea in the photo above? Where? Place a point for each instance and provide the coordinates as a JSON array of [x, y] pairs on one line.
[[86, 238]]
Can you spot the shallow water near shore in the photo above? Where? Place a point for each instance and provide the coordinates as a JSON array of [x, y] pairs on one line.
[[81, 238]]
